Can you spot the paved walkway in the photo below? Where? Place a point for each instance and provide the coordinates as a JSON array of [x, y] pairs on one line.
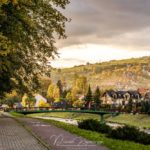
[[14, 137], [58, 138]]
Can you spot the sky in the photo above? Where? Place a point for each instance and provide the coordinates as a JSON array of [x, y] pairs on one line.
[[103, 30]]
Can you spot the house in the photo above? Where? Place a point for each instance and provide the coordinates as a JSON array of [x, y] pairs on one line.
[[38, 98], [17, 105], [60, 104], [109, 97], [120, 98], [135, 95]]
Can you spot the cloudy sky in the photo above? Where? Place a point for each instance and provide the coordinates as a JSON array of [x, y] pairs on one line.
[[103, 30]]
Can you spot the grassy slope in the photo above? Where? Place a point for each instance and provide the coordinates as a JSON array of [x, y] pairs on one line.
[[69, 115], [135, 120], [16, 114]]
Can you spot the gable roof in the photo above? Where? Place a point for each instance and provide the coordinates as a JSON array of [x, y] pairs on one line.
[[134, 94]]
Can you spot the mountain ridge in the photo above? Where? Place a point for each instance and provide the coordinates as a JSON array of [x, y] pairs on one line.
[[115, 74]]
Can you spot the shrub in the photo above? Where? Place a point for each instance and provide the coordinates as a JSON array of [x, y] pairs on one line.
[[143, 138], [94, 125], [126, 132], [130, 133], [123, 133]]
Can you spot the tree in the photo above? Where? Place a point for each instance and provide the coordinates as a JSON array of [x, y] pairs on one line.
[[78, 103], [11, 98], [69, 98], [145, 107], [50, 91], [6, 83], [97, 100], [81, 84], [24, 100], [27, 40], [89, 97], [74, 93], [27, 101], [42, 103], [64, 94], [44, 84], [56, 93], [130, 105], [60, 86]]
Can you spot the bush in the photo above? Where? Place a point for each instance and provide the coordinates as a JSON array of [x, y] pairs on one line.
[[94, 125], [143, 138], [130, 133], [126, 132], [123, 133]]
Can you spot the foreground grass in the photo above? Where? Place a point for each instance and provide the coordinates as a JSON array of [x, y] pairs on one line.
[[138, 120], [16, 114], [99, 138]]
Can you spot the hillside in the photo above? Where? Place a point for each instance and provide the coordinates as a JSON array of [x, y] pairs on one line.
[[117, 74]]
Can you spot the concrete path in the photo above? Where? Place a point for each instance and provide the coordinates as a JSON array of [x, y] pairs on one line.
[[57, 138], [14, 137]]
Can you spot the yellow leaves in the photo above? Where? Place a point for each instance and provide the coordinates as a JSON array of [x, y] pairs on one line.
[[24, 100], [53, 92], [69, 96], [5, 45], [50, 91], [3, 1], [56, 93], [3, 53], [42, 103], [14, 1], [57, 100], [6, 1], [12, 94], [78, 103]]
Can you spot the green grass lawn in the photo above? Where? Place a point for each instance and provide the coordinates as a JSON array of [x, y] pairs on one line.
[[69, 115], [16, 114], [139, 120]]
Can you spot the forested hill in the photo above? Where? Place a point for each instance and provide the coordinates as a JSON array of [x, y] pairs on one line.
[[117, 74]]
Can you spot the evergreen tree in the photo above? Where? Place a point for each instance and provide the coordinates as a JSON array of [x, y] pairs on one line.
[[130, 105], [64, 93], [97, 100], [145, 107], [60, 86], [88, 98]]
